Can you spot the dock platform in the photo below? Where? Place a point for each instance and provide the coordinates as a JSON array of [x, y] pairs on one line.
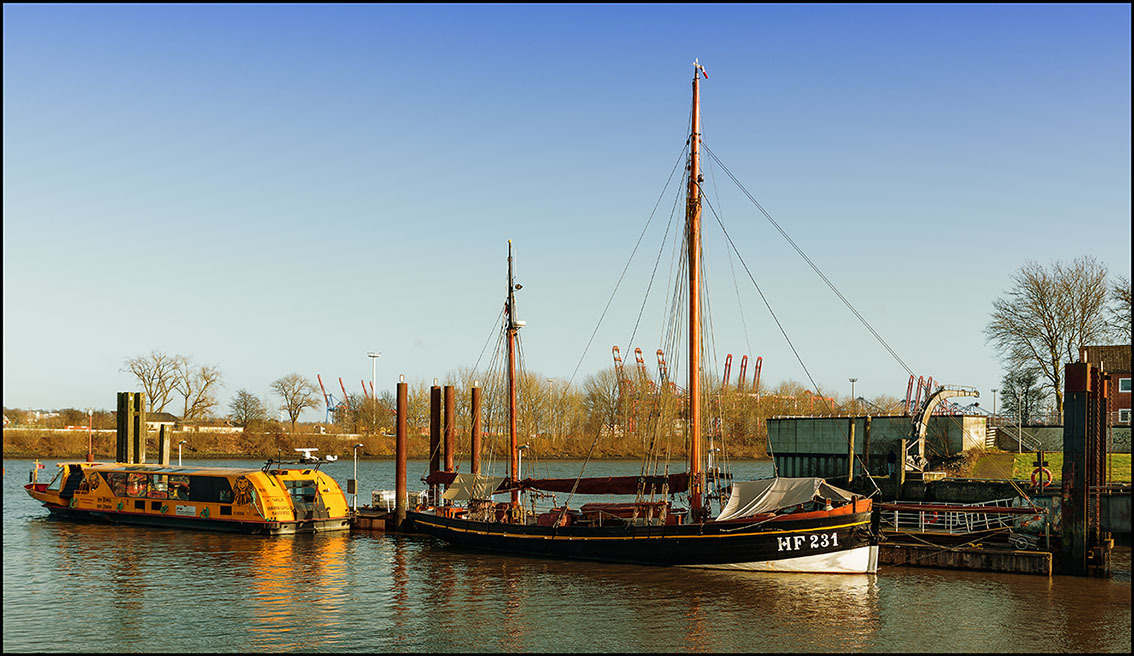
[[968, 558]]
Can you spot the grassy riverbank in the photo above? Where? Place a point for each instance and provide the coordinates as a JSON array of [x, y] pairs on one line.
[[1118, 466]]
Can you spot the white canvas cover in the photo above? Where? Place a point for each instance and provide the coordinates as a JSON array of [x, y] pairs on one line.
[[466, 486], [771, 494]]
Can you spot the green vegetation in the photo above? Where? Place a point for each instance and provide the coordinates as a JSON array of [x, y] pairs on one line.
[[1118, 466]]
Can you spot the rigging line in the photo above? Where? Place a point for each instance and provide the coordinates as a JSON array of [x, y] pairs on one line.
[[680, 157], [657, 260], [739, 305], [784, 333], [495, 326], [809, 262], [735, 285]]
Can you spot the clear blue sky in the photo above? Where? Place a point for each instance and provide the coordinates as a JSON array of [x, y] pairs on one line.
[[277, 189]]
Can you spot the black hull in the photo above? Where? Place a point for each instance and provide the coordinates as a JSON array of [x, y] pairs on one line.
[[199, 523], [809, 544]]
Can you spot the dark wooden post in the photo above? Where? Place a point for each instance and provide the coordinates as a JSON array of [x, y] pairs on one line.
[[165, 436], [1076, 416], [866, 443], [434, 437], [139, 432], [400, 500], [450, 428], [475, 446], [124, 445]]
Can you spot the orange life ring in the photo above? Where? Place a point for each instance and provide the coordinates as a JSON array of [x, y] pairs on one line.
[[933, 519], [1045, 477]]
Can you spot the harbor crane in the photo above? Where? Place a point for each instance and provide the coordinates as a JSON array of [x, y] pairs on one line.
[[917, 461]]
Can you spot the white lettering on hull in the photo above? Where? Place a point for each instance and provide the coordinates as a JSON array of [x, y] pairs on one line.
[[813, 541], [860, 560]]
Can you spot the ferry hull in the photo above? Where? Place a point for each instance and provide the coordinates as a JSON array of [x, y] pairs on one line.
[[198, 523], [838, 544]]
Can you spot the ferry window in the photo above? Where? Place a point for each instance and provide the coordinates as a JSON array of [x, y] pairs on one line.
[[117, 483], [1124, 385], [302, 493], [210, 489], [159, 486], [139, 505], [155, 505], [1124, 416], [56, 483], [137, 484], [178, 487], [226, 510]]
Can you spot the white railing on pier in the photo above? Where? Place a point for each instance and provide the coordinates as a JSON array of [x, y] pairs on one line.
[[944, 521]]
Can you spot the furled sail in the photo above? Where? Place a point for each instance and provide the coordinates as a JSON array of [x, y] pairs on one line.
[[771, 494], [590, 485]]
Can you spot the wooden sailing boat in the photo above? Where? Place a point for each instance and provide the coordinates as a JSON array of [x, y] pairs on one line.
[[776, 524]]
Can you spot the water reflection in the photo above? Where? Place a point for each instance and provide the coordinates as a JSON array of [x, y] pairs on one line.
[[71, 587]]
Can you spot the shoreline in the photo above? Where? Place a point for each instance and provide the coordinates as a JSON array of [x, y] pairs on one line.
[[99, 457]]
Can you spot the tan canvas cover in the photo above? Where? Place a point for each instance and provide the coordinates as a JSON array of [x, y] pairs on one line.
[[466, 486], [771, 494]]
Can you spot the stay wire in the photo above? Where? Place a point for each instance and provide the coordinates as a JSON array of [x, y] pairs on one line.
[[680, 157], [813, 266], [786, 338]]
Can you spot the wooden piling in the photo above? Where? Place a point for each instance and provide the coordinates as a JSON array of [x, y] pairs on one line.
[[124, 443], [140, 433], [434, 438], [165, 436], [850, 453], [450, 428], [400, 455], [130, 422], [1085, 548]]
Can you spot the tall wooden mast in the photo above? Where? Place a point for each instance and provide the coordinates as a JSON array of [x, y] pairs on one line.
[[511, 327], [693, 237]]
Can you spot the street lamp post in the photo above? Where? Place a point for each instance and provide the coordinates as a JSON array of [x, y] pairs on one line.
[[994, 405], [179, 451], [374, 371], [854, 403], [90, 435], [354, 481], [555, 409]]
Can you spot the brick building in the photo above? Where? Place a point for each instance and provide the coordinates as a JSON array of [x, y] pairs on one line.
[[1115, 362]]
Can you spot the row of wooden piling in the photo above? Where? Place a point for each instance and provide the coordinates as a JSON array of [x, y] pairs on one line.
[[442, 441], [131, 431]]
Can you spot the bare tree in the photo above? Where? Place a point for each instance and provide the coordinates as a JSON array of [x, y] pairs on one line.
[[197, 385], [157, 374], [1022, 395], [245, 408], [298, 394], [1120, 312], [600, 398], [1047, 315]]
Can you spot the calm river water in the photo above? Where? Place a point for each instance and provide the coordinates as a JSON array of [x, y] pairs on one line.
[[94, 588]]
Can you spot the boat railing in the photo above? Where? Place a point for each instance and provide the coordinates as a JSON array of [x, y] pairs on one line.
[[961, 521]]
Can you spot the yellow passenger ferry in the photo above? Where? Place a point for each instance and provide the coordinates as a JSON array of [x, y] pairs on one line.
[[276, 499]]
